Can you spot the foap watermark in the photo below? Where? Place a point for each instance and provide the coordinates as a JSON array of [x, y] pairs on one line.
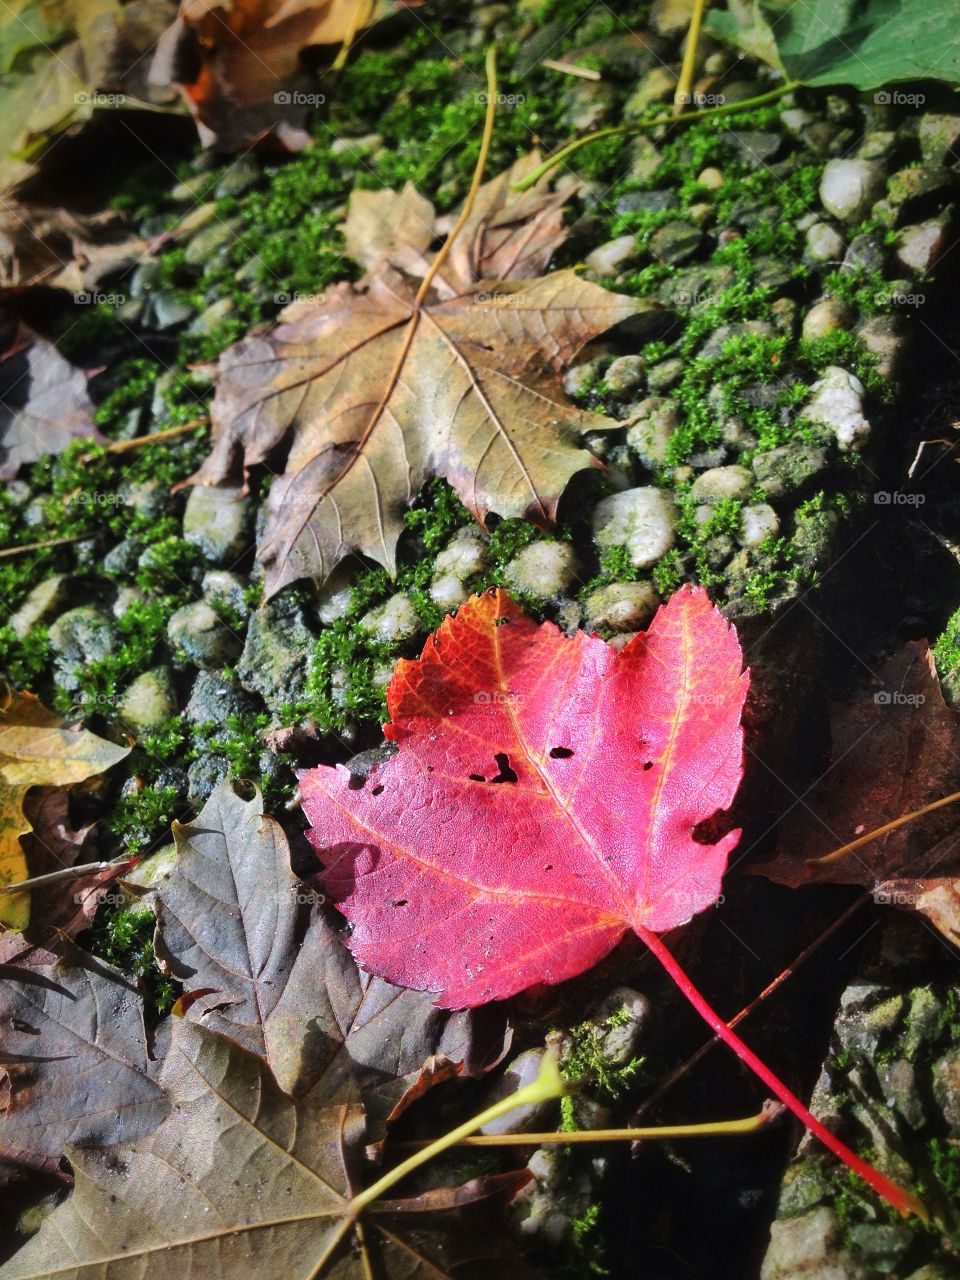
[[285, 299], [501, 99], [497, 299], [498, 698], [890, 897], [112, 898], [895, 698], [95, 98], [295, 98], [92, 297], [308, 897], [896, 98], [898, 299], [95, 498], [897, 498], [701, 99], [695, 299]]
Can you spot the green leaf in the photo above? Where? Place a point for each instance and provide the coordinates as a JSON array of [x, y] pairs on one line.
[[866, 43]]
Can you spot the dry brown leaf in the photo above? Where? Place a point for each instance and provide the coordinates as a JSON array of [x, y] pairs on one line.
[[242, 1180], [37, 749], [43, 402], [377, 391], [236, 62], [896, 748]]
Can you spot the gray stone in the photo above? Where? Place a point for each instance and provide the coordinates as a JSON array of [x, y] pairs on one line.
[[78, 637], [826, 316], [448, 592], [217, 520], [190, 190], [195, 220], [881, 144], [618, 1042], [722, 482], [543, 569], [213, 316], [466, 554], [213, 700], [206, 243], [278, 652], [754, 147], [771, 273], [523, 1070], [43, 601], [650, 428], [757, 522], [204, 775], [946, 1088], [203, 637], [367, 142], [144, 277], [864, 253], [836, 402], [126, 598], [848, 188], [648, 201], [122, 560], [148, 498], [919, 248], [656, 86], [921, 186], [625, 374], [675, 243], [935, 1271], [784, 313], [880, 1244], [227, 588], [670, 18], [642, 520], [589, 103], [243, 174], [741, 329], [169, 311], [393, 621], [898, 1080], [824, 243], [621, 606], [149, 702], [938, 136], [666, 374], [885, 337], [711, 178], [613, 257], [808, 1248], [787, 468]]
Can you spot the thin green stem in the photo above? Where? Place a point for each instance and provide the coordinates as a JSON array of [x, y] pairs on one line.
[[725, 108], [682, 95], [548, 1084]]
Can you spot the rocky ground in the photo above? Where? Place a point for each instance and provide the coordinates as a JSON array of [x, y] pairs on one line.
[[770, 410]]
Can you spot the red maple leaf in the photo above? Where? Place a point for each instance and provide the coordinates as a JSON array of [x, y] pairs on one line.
[[543, 800]]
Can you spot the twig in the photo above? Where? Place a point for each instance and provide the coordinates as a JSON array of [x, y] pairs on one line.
[[641, 126], [570, 69], [682, 95], [67, 873], [168, 433], [40, 546]]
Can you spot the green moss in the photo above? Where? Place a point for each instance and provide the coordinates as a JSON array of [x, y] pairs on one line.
[[124, 937], [144, 816]]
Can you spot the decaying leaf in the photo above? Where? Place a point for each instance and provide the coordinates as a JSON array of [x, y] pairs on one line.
[[895, 748], [239, 1179], [36, 749], [237, 64], [377, 391], [43, 402], [80, 1070], [63, 249], [542, 801], [61, 60], [231, 916]]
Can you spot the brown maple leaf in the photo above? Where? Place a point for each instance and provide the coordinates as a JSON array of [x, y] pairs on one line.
[[379, 388]]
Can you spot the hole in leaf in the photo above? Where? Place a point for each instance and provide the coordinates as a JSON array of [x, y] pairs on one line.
[[648, 765], [560, 753], [377, 789], [506, 774], [356, 783], [477, 777], [400, 902]]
